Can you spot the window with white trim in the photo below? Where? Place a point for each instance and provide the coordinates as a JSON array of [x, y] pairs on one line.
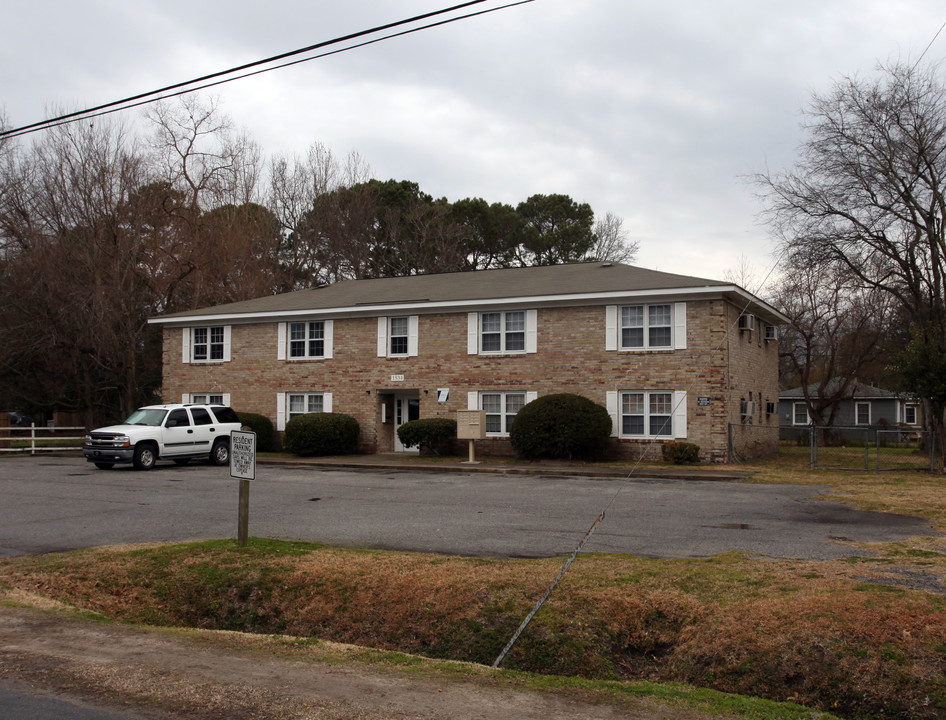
[[307, 339], [208, 344], [207, 399], [645, 327], [398, 334], [862, 413], [502, 332], [800, 414], [658, 326], [910, 414], [501, 409], [647, 414], [304, 403]]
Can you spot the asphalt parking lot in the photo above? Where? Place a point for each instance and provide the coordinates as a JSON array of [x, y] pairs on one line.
[[63, 503]]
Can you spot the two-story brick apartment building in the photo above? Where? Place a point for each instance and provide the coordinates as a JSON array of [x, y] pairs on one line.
[[669, 356]]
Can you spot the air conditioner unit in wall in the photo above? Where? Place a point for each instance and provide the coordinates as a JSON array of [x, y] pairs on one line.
[[770, 408], [747, 322], [771, 332], [748, 408]]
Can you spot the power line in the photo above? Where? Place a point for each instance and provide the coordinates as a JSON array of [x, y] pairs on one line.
[[220, 78]]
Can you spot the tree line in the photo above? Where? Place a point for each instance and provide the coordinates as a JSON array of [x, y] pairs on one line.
[[102, 228]]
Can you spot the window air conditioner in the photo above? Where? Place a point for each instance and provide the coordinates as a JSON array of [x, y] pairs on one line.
[[747, 322], [771, 332], [770, 408], [748, 408]]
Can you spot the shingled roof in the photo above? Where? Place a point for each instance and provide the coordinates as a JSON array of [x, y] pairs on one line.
[[571, 284]]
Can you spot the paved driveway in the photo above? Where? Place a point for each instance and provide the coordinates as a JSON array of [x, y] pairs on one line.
[[60, 503]]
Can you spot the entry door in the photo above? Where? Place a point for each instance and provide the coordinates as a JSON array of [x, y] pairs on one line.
[[406, 407]]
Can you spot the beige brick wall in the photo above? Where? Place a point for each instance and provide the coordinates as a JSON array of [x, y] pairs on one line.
[[571, 357]]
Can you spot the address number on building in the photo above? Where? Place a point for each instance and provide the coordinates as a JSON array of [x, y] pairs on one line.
[[397, 378]]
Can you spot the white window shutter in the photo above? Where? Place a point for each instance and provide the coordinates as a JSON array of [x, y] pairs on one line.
[[186, 343], [530, 396], [226, 343], [680, 326], [382, 337], [226, 398], [472, 334], [412, 332], [281, 341], [472, 401], [532, 331], [680, 414], [327, 402], [185, 398], [611, 403], [611, 327], [329, 335], [280, 411]]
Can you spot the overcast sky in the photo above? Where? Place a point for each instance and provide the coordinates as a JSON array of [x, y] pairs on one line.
[[653, 111]]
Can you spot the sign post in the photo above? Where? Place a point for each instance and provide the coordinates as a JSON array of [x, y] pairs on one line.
[[243, 466]]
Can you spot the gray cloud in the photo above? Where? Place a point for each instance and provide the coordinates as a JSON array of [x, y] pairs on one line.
[[652, 111]]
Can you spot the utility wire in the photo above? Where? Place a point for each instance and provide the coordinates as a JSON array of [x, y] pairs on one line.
[[219, 78], [917, 63]]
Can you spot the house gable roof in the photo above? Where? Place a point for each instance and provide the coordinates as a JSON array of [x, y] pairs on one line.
[[856, 391], [571, 284]]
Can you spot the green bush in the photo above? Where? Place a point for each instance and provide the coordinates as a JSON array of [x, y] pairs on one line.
[[262, 426], [433, 434], [562, 425], [321, 434], [681, 453]]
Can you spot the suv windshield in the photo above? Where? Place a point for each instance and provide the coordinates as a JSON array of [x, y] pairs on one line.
[[146, 416]]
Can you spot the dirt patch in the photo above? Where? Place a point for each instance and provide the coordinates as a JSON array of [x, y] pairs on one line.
[[205, 675]]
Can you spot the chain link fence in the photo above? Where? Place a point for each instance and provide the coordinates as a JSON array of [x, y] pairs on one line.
[[860, 448]]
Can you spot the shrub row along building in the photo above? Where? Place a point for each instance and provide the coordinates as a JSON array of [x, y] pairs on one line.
[[669, 356]]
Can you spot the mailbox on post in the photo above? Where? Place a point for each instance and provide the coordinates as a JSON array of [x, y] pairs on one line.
[[471, 425]]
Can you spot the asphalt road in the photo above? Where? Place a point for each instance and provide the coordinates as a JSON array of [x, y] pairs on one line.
[[62, 503]]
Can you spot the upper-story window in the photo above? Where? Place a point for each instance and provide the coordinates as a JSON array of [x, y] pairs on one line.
[[398, 336], [207, 344], [307, 339], [503, 331], [499, 332], [658, 326]]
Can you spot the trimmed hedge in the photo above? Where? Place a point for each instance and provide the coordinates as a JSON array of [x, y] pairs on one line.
[[681, 453], [262, 426], [433, 434], [560, 426], [321, 434]]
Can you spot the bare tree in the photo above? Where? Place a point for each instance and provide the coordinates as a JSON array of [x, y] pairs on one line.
[[837, 330], [611, 241], [868, 194]]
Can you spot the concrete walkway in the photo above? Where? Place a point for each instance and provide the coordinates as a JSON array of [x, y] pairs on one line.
[[508, 466]]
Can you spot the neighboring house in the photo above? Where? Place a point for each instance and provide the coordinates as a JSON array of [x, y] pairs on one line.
[[669, 356], [861, 406]]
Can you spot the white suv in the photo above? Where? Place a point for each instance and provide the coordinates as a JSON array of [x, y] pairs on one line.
[[172, 432]]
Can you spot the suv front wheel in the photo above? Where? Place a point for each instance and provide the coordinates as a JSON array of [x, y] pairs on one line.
[[220, 454], [145, 456]]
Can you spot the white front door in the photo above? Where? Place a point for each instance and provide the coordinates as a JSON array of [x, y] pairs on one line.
[[406, 407]]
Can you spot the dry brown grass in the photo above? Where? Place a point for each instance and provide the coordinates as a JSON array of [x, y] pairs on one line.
[[824, 634]]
